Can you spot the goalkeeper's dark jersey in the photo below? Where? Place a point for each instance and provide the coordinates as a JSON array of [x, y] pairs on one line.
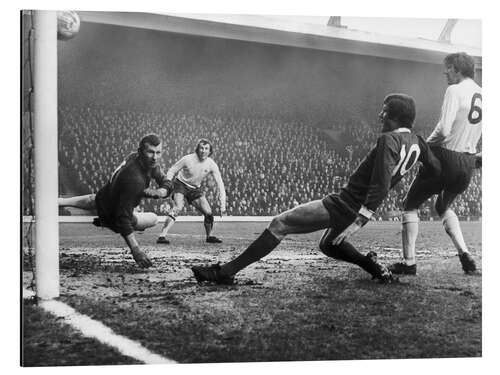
[[117, 199], [395, 154]]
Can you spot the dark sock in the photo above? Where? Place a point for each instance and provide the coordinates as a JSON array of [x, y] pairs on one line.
[[258, 249], [348, 253], [208, 229]]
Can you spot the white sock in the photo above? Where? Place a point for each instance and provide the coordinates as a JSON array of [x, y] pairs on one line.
[[169, 222], [452, 227], [409, 236]]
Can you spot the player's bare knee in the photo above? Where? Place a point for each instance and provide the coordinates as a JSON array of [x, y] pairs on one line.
[[278, 226], [153, 219], [146, 220]]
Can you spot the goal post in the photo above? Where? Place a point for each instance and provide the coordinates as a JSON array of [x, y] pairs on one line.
[[46, 154]]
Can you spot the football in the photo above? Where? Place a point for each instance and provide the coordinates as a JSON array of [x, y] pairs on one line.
[[68, 24]]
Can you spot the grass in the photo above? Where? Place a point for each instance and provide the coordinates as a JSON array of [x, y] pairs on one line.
[[294, 305], [47, 342]]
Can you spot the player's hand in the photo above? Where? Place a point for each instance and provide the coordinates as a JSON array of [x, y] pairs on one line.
[[222, 211], [162, 193], [478, 160], [155, 193], [141, 259], [151, 193]]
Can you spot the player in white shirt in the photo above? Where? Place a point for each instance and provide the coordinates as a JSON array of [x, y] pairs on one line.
[[454, 142], [187, 175]]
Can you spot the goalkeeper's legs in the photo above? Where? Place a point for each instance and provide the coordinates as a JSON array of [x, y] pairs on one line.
[[86, 202], [145, 220]]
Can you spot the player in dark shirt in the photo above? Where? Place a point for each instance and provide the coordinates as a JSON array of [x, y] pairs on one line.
[[396, 152], [130, 182]]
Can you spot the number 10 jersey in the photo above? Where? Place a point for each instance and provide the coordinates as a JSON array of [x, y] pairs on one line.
[[394, 155]]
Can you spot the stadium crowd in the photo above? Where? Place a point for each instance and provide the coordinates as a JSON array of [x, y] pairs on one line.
[[279, 141], [268, 164]]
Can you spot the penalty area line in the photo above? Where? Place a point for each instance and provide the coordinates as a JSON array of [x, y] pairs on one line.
[[95, 329]]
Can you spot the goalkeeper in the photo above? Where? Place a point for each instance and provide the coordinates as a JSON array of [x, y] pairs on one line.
[[128, 185]]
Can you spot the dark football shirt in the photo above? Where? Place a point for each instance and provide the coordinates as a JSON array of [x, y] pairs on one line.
[[117, 199], [393, 156]]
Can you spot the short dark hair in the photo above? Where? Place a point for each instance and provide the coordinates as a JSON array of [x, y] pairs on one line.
[[204, 141], [401, 108], [151, 139], [462, 63]]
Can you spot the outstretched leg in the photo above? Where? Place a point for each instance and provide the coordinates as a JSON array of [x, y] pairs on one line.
[[306, 218], [86, 202]]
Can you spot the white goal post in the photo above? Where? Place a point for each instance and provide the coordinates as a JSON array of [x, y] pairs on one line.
[[45, 152]]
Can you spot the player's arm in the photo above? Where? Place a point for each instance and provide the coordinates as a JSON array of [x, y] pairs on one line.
[[449, 111], [220, 185], [164, 181], [165, 186], [123, 215], [139, 256], [123, 218]]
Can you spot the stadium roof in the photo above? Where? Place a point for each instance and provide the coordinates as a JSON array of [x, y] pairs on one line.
[[382, 37]]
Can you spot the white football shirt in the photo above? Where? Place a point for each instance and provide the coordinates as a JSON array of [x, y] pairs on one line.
[[459, 128], [192, 171]]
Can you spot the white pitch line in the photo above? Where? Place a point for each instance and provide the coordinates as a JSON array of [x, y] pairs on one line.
[[92, 328]]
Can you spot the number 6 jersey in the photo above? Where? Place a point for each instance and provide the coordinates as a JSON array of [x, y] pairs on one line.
[[459, 128], [394, 155]]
